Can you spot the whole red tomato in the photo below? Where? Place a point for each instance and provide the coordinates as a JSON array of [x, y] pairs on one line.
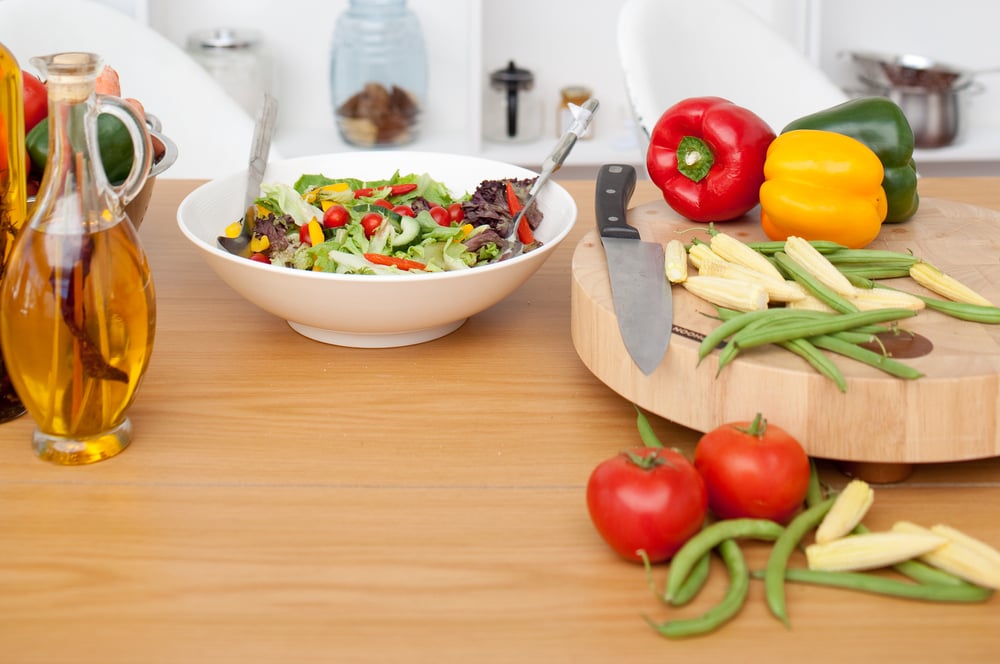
[[647, 498], [36, 101], [752, 469]]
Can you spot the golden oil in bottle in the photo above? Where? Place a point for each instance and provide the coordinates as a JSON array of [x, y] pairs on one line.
[[13, 193], [78, 289]]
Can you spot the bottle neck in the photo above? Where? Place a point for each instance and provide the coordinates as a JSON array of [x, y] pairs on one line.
[[74, 188]]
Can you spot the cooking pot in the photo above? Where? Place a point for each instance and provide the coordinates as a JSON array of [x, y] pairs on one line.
[[936, 115], [931, 94]]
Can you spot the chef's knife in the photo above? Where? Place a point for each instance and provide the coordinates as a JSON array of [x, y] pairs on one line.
[[639, 285]]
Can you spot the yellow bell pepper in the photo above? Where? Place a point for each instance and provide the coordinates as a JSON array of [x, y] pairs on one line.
[[821, 185]]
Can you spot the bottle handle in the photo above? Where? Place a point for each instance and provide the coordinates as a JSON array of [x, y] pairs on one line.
[[142, 145]]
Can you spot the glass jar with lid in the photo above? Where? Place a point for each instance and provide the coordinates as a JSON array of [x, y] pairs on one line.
[[378, 73], [238, 60]]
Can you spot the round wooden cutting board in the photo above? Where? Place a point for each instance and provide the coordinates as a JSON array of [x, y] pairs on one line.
[[949, 414]]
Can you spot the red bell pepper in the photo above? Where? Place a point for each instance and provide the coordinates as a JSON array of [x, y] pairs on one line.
[[401, 263], [524, 232], [707, 155], [394, 190]]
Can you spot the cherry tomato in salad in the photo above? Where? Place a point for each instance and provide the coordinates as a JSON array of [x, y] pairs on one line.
[[456, 213], [304, 235], [36, 100], [260, 258], [403, 210], [440, 215], [336, 216], [370, 223], [647, 498], [384, 203], [753, 469]]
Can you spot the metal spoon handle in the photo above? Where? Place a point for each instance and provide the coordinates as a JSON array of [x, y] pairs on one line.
[[260, 147], [554, 161]]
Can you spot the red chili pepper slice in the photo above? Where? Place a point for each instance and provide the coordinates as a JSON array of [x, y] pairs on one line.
[[401, 263], [394, 190], [524, 233]]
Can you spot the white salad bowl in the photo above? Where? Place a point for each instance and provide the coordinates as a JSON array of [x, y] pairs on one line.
[[372, 311]]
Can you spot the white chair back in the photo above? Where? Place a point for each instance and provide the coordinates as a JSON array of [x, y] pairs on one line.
[[211, 130], [670, 50]]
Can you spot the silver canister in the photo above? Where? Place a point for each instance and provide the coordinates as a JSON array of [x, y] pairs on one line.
[[237, 59]]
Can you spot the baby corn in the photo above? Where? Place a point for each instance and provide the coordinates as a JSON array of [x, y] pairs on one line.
[[738, 252], [847, 512], [675, 262], [871, 550], [778, 290], [961, 555], [810, 303], [700, 253], [818, 265], [866, 299], [945, 285], [728, 293]]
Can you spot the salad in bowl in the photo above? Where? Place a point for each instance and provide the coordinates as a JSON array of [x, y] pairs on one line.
[[392, 281], [404, 223]]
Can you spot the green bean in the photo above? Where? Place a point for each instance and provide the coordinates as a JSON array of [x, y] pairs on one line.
[[777, 562], [869, 272], [815, 328], [646, 433], [881, 585], [814, 492], [710, 537], [862, 280], [824, 293], [870, 257], [726, 609], [820, 362], [726, 355], [854, 337], [869, 357], [976, 313], [771, 246], [693, 584], [732, 324], [800, 347]]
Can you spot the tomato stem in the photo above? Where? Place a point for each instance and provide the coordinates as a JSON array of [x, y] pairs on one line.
[[646, 461], [756, 428]]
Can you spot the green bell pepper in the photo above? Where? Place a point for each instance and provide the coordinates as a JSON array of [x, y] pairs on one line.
[[112, 137], [879, 123]]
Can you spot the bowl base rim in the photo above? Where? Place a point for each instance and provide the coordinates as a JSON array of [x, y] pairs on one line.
[[375, 339]]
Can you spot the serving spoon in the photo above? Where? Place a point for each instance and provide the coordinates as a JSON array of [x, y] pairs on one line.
[[581, 120], [259, 149]]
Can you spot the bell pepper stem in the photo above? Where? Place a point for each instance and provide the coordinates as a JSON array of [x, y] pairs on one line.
[[694, 158]]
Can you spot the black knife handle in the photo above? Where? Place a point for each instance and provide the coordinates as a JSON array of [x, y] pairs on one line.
[[615, 184]]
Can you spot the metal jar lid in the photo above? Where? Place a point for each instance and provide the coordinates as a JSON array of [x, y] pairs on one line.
[[223, 39], [512, 76]]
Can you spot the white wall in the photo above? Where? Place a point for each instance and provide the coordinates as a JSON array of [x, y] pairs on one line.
[[563, 41], [573, 41], [959, 32]]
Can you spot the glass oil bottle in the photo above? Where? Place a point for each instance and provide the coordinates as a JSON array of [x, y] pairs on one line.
[[78, 285]]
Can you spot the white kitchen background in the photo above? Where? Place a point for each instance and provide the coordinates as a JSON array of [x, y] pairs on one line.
[[567, 42]]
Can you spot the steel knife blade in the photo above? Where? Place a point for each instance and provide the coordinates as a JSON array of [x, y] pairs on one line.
[[642, 297]]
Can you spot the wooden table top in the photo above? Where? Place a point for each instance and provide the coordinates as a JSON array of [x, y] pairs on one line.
[[289, 501]]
